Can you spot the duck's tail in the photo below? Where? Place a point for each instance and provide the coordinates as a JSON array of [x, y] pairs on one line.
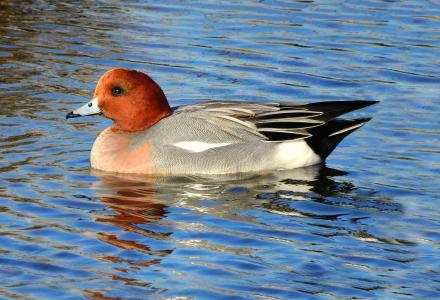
[[326, 137]]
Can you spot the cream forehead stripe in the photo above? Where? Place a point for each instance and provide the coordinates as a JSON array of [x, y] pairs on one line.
[[195, 146]]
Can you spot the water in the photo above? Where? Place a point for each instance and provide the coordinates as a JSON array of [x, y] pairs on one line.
[[364, 226]]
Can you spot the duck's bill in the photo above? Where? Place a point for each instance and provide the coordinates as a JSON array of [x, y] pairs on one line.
[[89, 109]]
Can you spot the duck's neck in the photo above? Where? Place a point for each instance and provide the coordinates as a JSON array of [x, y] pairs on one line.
[[142, 121]]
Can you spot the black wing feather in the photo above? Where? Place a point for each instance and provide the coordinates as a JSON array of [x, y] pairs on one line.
[[333, 109], [309, 121]]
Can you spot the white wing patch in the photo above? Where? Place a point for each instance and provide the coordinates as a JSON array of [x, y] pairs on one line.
[[195, 146]]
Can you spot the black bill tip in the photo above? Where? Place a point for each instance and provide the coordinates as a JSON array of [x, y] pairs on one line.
[[72, 115]]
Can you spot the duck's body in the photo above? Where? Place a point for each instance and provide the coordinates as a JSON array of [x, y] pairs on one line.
[[212, 137]]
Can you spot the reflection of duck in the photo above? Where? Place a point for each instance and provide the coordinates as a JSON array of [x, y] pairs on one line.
[[216, 137], [138, 200], [132, 205], [206, 212], [141, 199]]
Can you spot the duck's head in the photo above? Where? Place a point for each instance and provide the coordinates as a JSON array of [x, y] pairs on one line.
[[130, 98]]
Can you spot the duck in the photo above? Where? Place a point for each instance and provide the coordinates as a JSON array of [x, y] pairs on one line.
[[148, 136]]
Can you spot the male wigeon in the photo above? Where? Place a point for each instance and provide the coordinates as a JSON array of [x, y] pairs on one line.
[[216, 137]]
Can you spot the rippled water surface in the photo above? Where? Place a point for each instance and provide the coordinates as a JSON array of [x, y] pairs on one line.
[[366, 225]]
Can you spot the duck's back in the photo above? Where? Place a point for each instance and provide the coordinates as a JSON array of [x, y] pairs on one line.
[[231, 137]]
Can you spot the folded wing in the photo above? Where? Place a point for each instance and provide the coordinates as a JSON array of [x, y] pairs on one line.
[[280, 122]]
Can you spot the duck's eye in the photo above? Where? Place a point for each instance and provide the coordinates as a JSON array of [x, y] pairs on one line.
[[117, 91]]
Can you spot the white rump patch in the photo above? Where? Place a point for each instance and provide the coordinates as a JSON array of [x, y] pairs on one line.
[[196, 146], [296, 154]]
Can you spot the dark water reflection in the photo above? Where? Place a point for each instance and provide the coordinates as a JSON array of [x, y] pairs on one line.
[[365, 226]]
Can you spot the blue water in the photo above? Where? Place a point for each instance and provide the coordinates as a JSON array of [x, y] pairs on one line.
[[366, 225]]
